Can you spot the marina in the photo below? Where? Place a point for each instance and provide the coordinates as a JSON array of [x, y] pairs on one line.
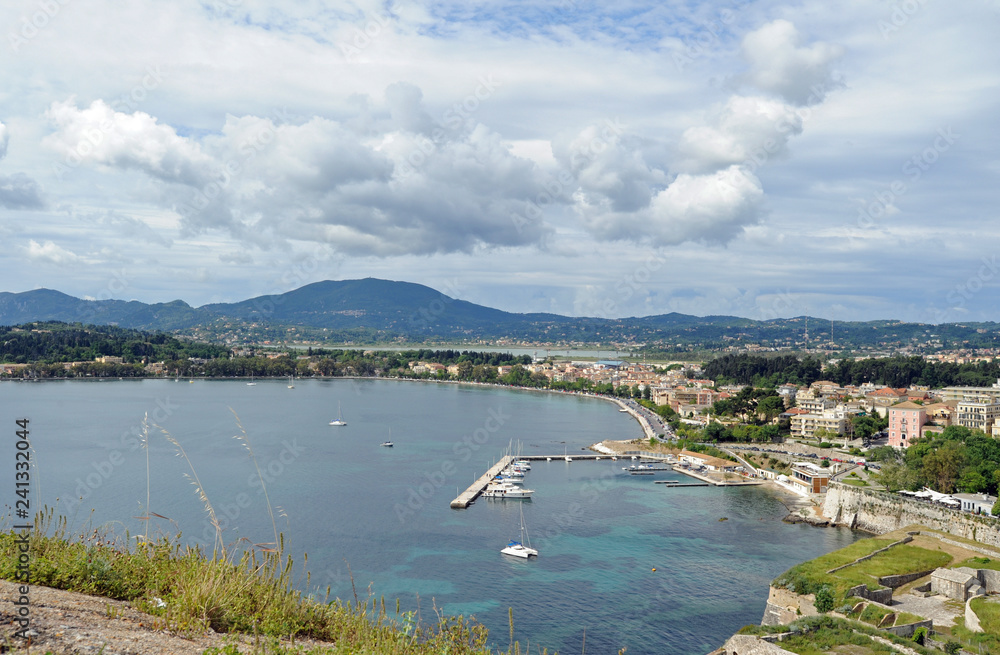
[[505, 474]]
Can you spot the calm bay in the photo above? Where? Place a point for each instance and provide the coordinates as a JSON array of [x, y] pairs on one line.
[[381, 516]]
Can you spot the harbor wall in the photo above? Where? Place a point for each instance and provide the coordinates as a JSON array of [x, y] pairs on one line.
[[879, 512]]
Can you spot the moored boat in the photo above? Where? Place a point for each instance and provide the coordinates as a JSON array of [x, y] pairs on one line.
[[506, 490]]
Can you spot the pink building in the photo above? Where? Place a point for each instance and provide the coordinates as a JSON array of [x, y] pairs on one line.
[[905, 422]]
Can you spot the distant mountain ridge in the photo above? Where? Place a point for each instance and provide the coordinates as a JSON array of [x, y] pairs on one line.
[[375, 310]]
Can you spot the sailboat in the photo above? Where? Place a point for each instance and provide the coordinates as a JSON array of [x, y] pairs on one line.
[[340, 417], [251, 383], [291, 385], [518, 548], [388, 444]]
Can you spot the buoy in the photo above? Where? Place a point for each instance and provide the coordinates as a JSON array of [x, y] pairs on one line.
[[654, 569]]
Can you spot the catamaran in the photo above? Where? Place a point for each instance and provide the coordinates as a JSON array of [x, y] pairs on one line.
[[340, 417], [523, 547]]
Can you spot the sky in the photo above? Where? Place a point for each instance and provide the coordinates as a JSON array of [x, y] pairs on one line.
[[760, 159]]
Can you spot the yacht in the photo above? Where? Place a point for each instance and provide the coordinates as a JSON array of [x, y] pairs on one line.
[[506, 490], [387, 444]]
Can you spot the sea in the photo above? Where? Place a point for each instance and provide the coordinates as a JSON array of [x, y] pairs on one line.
[[623, 562]]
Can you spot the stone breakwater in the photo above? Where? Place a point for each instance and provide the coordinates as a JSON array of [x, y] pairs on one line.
[[879, 512]]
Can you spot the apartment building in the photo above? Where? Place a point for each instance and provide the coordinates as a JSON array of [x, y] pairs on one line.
[[835, 421], [978, 414], [906, 421]]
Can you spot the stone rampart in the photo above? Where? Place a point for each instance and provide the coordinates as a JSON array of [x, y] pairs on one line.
[[908, 629], [879, 512], [784, 606], [896, 581], [881, 596]]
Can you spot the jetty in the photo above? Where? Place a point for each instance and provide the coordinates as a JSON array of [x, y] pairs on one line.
[[466, 497]]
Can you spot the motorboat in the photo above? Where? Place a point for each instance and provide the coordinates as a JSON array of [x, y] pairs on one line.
[[506, 490]]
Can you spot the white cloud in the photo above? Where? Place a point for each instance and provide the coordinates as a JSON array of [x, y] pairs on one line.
[[404, 184], [103, 136], [746, 130], [712, 208], [778, 64], [50, 253]]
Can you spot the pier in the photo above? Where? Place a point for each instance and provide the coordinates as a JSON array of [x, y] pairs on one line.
[[466, 497]]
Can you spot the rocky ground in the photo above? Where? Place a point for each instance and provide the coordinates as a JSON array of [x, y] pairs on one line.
[[68, 623]]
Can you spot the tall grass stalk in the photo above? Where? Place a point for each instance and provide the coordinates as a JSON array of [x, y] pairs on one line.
[[218, 547], [245, 440]]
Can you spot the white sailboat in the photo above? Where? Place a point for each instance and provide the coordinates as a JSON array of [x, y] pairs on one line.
[[523, 547], [340, 417], [251, 383], [291, 384]]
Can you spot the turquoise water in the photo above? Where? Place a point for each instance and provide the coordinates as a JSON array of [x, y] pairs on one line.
[[381, 515]]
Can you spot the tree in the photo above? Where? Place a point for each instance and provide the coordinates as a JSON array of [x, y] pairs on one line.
[[823, 599], [895, 477], [941, 468], [770, 407]]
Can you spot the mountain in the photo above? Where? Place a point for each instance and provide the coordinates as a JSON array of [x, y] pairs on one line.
[[49, 305], [373, 310], [399, 307]]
